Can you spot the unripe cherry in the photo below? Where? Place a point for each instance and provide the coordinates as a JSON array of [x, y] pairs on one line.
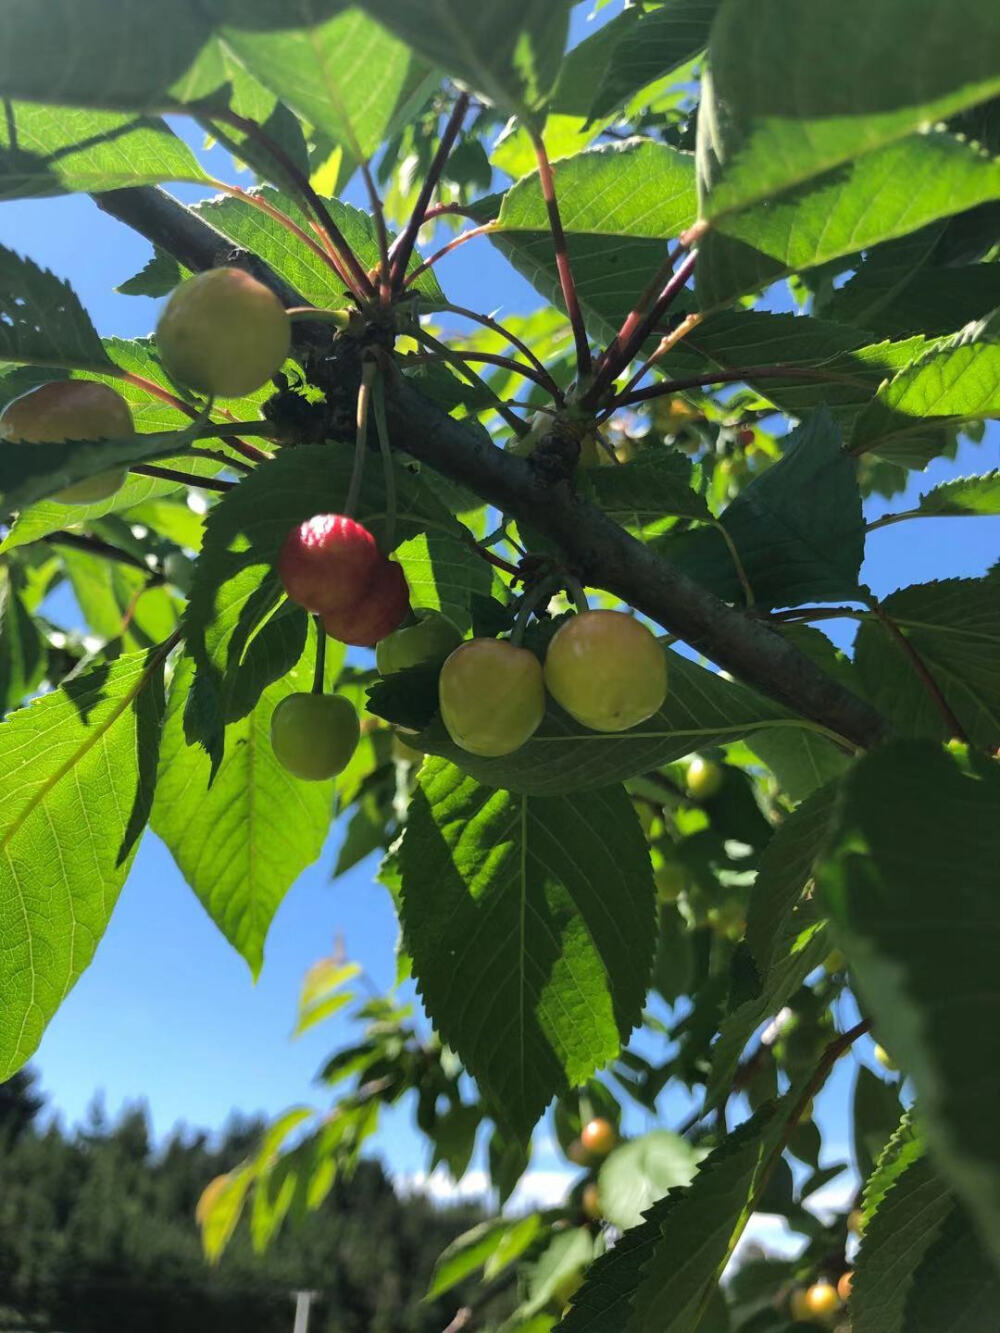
[[314, 735], [327, 562], [382, 607], [222, 332], [607, 670], [590, 1202], [492, 696], [704, 778], [71, 410]]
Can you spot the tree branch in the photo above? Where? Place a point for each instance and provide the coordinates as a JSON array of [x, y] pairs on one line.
[[596, 548]]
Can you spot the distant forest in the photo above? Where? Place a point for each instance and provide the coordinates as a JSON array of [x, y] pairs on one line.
[[97, 1235]]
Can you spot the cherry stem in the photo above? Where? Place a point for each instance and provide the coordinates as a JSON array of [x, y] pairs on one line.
[[741, 573], [576, 591], [930, 685], [182, 478], [217, 456], [497, 561], [488, 358], [441, 352], [532, 598], [634, 319], [388, 469], [319, 672], [635, 331], [378, 213], [453, 244], [734, 376], [404, 246], [563, 266], [332, 234], [368, 372], [157, 391], [514, 340]]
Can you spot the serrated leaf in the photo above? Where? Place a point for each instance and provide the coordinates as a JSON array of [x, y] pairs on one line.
[[243, 841], [963, 495], [701, 708], [508, 898], [957, 381], [894, 303], [805, 90], [954, 627], [797, 528], [875, 1117], [465, 1255], [444, 574], [509, 56], [158, 277], [50, 150], [344, 75], [641, 1171], [236, 586], [881, 195], [642, 493], [117, 601], [913, 1205], [77, 773], [914, 831], [41, 319], [652, 44]]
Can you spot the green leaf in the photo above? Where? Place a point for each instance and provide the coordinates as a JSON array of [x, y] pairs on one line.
[[22, 653], [701, 708], [567, 1253], [466, 1255], [50, 150], [913, 1203], [915, 831], [620, 204], [797, 527], [700, 1222], [77, 772], [895, 301], [954, 628], [508, 55], [654, 43], [156, 278], [884, 194], [42, 321], [805, 90], [963, 495], [236, 586], [243, 841], [509, 898], [644, 492], [957, 381], [117, 602], [641, 1171], [956, 1285], [875, 1116], [444, 573], [344, 76]]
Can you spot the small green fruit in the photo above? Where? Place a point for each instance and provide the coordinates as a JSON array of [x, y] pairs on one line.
[[223, 333], [431, 639], [607, 670], [71, 410], [704, 779], [492, 696], [314, 735]]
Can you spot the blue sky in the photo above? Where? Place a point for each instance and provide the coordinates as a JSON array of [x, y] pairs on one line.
[[168, 1012]]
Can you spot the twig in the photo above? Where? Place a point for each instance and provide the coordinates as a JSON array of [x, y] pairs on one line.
[[931, 686], [181, 478], [95, 546], [445, 353], [563, 266], [404, 246], [488, 358]]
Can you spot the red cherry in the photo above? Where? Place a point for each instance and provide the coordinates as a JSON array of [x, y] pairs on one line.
[[381, 608], [327, 563]]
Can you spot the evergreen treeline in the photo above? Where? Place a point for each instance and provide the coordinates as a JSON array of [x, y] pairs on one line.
[[97, 1235]]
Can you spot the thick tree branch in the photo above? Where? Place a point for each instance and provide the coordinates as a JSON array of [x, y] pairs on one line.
[[595, 547]]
